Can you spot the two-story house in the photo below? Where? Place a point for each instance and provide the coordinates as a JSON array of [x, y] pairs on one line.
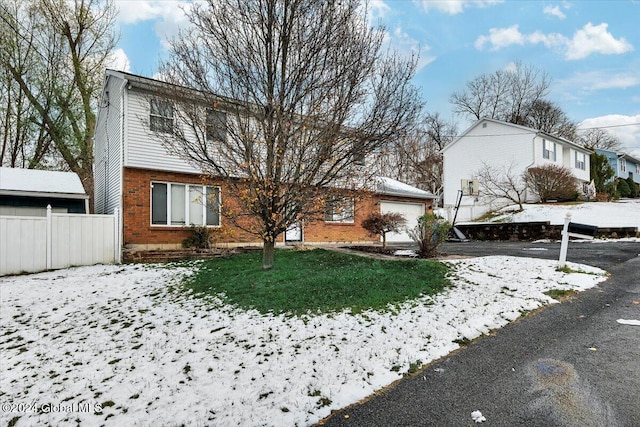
[[508, 148], [160, 194], [623, 165]]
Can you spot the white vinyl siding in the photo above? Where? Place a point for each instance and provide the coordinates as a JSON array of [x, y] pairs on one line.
[[173, 203], [108, 148]]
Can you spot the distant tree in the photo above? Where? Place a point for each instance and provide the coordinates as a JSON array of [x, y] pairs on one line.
[[503, 95], [598, 138], [623, 188], [309, 94], [633, 187], [548, 117], [502, 184], [601, 172], [415, 157], [382, 223], [551, 182]]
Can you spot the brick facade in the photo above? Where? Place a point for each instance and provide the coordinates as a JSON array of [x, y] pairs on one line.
[[140, 233]]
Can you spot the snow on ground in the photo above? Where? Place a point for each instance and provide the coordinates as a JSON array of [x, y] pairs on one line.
[[125, 345], [625, 213]]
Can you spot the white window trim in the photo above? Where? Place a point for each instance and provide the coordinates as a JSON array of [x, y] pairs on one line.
[[623, 165], [548, 153], [580, 164], [158, 116], [187, 205]]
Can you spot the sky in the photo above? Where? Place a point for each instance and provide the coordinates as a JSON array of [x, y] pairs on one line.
[[590, 50]]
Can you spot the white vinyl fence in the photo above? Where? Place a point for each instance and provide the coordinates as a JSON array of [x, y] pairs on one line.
[[32, 244]]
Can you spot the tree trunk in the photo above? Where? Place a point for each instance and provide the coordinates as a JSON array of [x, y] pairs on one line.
[[268, 254], [384, 240]]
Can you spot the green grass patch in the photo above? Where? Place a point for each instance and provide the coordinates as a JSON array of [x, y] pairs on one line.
[[559, 294], [303, 282]]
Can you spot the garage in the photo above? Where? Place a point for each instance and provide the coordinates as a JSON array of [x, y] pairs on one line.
[[411, 211]]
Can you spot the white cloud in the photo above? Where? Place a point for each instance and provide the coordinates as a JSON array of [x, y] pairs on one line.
[[586, 41], [119, 61], [554, 11], [168, 15], [407, 46], [595, 39], [625, 128], [378, 9], [453, 7], [500, 38]]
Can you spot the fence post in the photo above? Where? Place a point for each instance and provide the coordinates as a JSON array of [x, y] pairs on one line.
[[49, 242], [565, 241], [116, 235]]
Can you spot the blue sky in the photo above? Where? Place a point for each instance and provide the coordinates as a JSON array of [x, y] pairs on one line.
[[590, 49]]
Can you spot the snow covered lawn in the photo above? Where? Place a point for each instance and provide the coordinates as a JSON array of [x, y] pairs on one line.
[[124, 345]]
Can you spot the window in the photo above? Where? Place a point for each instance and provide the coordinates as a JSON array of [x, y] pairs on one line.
[[637, 168], [216, 125], [161, 116], [623, 165], [580, 160], [173, 204], [339, 209], [549, 150]]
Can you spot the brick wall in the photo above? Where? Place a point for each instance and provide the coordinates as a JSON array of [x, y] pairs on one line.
[[139, 233]]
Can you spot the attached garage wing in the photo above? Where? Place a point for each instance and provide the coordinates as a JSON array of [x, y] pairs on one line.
[[411, 212]]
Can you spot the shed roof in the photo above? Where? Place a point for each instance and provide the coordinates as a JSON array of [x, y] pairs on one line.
[[32, 182], [391, 187]]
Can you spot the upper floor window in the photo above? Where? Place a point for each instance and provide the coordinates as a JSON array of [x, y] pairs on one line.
[[161, 116], [580, 161], [637, 168], [339, 209], [623, 165], [549, 150], [216, 125], [184, 204]]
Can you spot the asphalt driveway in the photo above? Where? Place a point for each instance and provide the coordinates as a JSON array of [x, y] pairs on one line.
[[571, 364]]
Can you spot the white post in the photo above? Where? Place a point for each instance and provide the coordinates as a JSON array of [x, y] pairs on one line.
[[565, 241], [49, 242], [116, 240]]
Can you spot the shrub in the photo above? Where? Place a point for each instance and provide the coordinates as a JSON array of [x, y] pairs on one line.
[[623, 188], [381, 224], [200, 237], [633, 187], [430, 232], [551, 182]]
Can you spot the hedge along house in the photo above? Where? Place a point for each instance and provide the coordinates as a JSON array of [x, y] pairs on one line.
[[161, 194], [28, 192]]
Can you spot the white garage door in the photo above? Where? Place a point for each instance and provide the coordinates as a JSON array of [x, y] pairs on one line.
[[411, 212]]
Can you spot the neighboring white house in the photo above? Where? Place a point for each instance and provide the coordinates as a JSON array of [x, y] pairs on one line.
[[502, 146]]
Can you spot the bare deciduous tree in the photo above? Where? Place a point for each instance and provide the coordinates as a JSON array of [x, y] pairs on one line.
[[548, 117], [53, 55], [308, 95], [415, 157], [598, 138], [504, 184], [503, 95]]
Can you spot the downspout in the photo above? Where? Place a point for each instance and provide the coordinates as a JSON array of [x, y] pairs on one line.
[[123, 99]]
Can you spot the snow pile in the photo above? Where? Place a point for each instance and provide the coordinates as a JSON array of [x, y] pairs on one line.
[[602, 214], [129, 344], [478, 417]]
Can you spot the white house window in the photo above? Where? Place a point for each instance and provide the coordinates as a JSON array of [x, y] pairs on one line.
[[184, 204], [161, 116], [637, 168], [580, 161], [623, 165], [549, 150], [339, 209], [216, 124]]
